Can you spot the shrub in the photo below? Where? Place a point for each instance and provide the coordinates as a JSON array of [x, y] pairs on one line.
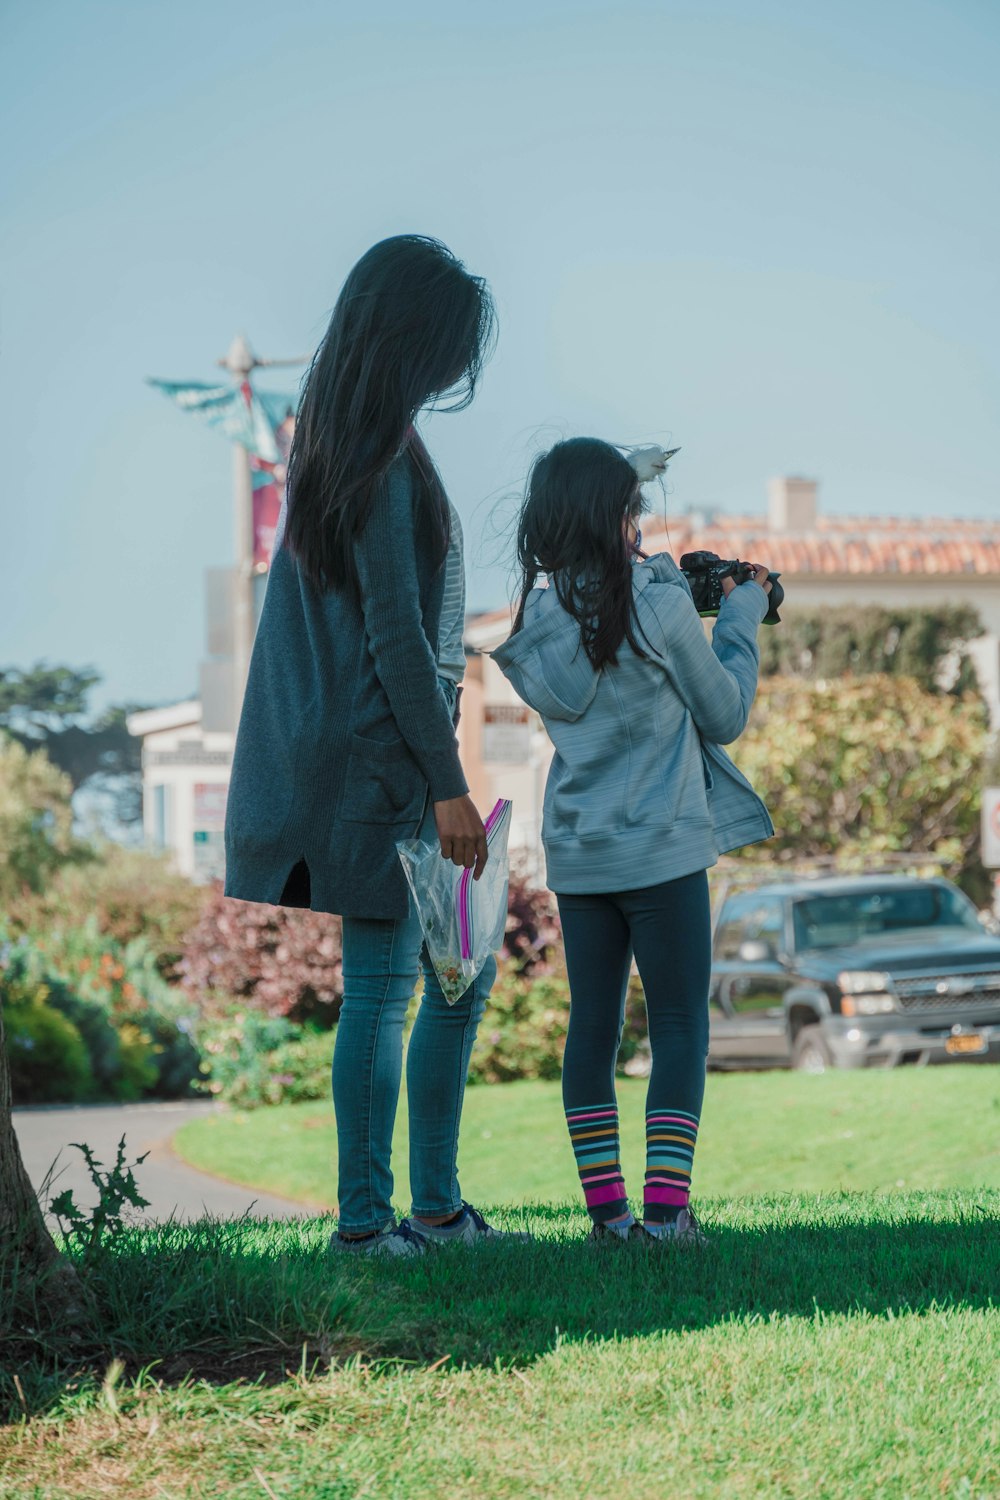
[[123, 978], [523, 1030], [867, 766], [134, 1026], [275, 959], [927, 645], [47, 1056], [126, 894], [533, 939], [252, 1060], [36, 820], [524, 1026]]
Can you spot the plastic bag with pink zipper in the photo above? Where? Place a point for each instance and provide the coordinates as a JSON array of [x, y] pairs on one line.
[[463, 920]]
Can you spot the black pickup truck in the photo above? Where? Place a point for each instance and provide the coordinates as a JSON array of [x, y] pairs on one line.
[[852, 973]]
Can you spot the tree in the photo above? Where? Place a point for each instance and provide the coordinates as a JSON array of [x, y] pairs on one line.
[[36, 820], [28, 1253], [46, 708], [867, 766]]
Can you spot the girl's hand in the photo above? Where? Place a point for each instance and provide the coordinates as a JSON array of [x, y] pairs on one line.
[[462, 835], [760, 576]]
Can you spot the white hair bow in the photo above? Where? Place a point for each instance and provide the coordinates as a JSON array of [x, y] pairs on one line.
[[650, 463]]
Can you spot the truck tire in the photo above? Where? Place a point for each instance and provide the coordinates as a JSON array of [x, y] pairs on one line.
[[810, 1053]]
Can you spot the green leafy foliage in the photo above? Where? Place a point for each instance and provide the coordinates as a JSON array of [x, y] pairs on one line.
[[126, 893], [47, 708], [122, 977], [275, 959], [93, 1233], [136, 1029], [859, 767], [924, 644], [36, 821], [252, 1059], [523, 1030], [47, 1056]]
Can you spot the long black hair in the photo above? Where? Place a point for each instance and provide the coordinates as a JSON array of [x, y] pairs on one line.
[[572, 527], [411, 325]]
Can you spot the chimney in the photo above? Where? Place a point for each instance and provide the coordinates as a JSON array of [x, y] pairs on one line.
[[791, 504]]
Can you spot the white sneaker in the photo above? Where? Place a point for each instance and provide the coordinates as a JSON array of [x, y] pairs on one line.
[[470, 1229], [395, 1239], [684, 1230]]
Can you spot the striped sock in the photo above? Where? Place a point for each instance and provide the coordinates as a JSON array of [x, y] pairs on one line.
[[593, 1132], [670, 1141]]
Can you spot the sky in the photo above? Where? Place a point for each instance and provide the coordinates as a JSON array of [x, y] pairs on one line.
[[766, 231]]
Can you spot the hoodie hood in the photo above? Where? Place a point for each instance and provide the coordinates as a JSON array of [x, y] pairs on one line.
[[545, 661]]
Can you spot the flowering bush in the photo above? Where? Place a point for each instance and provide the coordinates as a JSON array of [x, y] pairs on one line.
[[533, 939], [276, 959], [524, 1026], [128, 893], [134, 1027], [250, 1059], [120, 977]]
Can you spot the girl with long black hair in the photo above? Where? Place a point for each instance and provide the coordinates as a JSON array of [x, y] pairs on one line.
[[347, 740], [640, 800]]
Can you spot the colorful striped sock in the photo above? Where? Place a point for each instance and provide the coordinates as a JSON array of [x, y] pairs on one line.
[[671, 1135], [593, 1132]]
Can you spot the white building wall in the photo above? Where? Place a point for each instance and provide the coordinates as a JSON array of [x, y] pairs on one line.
[[185, 781]]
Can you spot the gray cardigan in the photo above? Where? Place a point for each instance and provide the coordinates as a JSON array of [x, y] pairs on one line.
[[640, 790], [345, 734]]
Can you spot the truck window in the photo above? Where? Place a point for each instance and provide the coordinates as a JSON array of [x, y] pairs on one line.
[[766, 924], [732, 927], [853, 916]]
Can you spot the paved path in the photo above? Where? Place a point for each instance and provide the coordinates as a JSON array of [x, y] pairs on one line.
[[170, 1185]]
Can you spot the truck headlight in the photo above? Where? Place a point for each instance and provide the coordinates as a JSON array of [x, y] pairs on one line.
[[862, 981], [866, 1005]]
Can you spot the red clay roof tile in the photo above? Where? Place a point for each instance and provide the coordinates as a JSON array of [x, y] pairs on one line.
[[840, 544]]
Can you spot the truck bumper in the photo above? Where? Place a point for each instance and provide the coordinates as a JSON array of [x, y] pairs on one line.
[[891, 1041]]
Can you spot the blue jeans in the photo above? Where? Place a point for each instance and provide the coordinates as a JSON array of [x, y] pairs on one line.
[[380, 975]]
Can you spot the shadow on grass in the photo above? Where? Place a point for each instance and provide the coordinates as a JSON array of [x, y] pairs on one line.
[[229, 1300]]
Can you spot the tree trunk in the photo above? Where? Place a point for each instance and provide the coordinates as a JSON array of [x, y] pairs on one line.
[[27, 1249]]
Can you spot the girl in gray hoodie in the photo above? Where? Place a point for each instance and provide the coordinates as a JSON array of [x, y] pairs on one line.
[[641, 799]]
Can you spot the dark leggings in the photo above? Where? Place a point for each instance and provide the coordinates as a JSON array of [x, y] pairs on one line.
[[668, 928]]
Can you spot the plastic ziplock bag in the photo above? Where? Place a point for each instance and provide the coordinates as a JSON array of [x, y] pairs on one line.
[[463, 920]]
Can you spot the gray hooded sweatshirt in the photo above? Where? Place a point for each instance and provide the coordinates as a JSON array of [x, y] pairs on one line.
[[640, 790]]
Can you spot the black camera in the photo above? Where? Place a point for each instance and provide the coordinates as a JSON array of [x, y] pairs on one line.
[[705, 571]]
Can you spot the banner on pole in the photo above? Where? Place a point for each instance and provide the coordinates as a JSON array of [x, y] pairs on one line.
[[262, 422]]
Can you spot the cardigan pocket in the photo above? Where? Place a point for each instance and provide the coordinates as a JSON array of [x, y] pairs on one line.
[[383, 783]]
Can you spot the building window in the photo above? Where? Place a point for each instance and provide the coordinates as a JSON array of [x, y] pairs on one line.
[[161, 816]]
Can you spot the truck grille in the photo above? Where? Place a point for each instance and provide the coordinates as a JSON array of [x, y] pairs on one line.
[[945, 991]]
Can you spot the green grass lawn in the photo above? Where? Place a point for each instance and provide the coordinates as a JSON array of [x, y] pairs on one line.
[[761, 1133], [832, 1346], [828, 1344]]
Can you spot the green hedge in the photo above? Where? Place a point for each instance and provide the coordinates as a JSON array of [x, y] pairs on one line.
[[47, 1056], [103, 997]]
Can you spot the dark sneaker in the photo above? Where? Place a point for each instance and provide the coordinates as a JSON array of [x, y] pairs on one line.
[[395, 1239], [469, 1229], [607, 1234]]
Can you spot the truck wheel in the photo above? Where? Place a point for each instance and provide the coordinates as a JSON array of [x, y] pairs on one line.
[[810, 1053]]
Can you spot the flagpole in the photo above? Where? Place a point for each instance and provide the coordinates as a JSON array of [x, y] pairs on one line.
[[241, 361]]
